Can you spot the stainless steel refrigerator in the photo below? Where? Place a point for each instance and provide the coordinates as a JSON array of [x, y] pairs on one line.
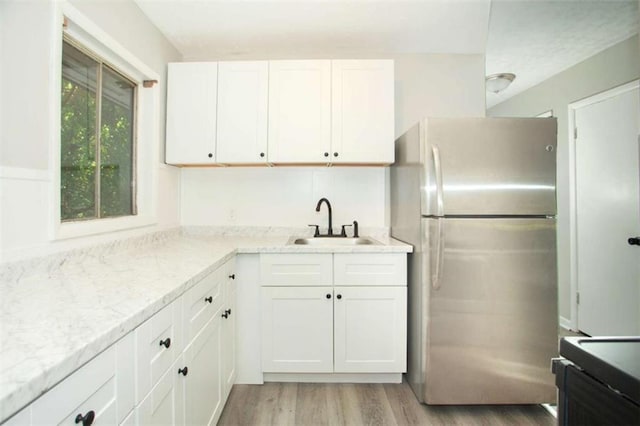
[[476, 197]]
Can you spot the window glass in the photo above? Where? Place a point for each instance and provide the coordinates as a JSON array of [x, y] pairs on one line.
[[97, 167], [116, 145]]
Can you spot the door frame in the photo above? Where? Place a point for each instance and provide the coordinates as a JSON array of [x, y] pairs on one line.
[[572, 323]]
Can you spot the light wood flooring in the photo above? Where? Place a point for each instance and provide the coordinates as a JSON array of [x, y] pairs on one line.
[[314, 404]]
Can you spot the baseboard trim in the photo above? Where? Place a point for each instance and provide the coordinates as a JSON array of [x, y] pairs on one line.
[[564, 323], [334, 377]]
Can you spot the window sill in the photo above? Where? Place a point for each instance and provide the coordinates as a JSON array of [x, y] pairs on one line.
[[100, 226]]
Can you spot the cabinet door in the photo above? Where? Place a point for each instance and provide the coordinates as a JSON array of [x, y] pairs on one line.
[[158, 344], [299, 111], [297, 329], [191, 113], [242, 112], [362, 111], [203, 384], [164, 405], [370, 329], [228, 344]]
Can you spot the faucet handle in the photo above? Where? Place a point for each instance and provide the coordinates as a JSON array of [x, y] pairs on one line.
[[316, 233], [355, 229], [343, 233]]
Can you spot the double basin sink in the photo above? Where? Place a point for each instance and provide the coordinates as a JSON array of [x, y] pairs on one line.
[[333, 241]]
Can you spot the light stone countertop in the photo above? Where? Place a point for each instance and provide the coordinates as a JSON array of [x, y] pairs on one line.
[[58, 313]]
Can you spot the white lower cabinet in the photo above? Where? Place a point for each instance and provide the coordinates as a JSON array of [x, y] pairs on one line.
[[229, 335], [203, 383], [164, 405], [297, 329], [97, 393], [348, 327], [370, 329]]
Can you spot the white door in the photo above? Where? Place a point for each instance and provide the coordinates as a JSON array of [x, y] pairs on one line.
[[607, 213], [203, 383], [191, 112], [362, 111], [242, 112], [164, 405], [297, 329], [299, 111], [370, 329]]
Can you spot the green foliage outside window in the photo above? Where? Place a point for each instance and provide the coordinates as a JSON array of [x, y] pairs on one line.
[[97, 168]]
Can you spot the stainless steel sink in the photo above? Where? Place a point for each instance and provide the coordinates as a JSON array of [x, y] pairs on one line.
[[334, 241]]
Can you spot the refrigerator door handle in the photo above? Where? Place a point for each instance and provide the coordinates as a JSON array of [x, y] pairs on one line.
[[437, 168], [439, 267]]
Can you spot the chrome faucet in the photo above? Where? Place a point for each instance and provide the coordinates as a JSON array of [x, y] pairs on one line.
[[330, 230]]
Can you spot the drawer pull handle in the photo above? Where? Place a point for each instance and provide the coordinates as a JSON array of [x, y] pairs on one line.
[[166, 342], [328, 296], [209, 299], [184, 371], [339, 296], [232, 276], [87, 419]]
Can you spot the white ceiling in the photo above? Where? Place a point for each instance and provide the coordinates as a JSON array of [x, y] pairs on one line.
[[532, 38], [536, 39], [276, 28]]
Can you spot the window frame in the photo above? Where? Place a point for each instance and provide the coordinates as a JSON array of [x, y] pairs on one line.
[[102, 64], [70, 23]]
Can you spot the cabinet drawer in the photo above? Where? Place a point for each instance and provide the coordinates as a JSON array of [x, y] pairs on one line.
[[201, 302], [95, 387], [296, 269], [158, 344], [370, 269]]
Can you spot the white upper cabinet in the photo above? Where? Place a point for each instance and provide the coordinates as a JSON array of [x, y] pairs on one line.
[[362, 111], [281, 112], [299, 111], [191, 113], [243, 89]]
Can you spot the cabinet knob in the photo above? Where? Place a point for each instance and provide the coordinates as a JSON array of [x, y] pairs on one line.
[[87, 419], [262, 154], [166, 342], [184, 371], [228, 311], [339, 296], [328, 296], [326, 154], [232, 276], [225, 315], [210, 155], [335, 154], [209, 299]]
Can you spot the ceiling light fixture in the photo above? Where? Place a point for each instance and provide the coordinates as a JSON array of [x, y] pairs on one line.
[[498, 82]]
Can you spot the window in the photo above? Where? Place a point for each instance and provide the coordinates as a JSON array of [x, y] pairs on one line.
[[98, 138]]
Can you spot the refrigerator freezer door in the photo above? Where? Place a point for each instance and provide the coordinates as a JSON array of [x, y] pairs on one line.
[[492, 311], [489, 166]]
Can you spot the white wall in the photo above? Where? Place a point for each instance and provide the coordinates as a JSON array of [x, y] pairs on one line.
[[283, 196], [610, 68], [425, 85], [27, 36]]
